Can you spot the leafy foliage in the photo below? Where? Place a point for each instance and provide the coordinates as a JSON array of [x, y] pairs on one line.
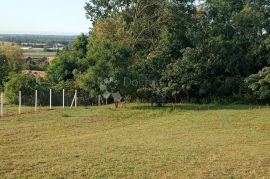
[[13, 55], [3, 70], [260, 84], [21, 82], [63, 67]]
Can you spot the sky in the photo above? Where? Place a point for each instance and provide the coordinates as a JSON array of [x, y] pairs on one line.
[[51, 17]]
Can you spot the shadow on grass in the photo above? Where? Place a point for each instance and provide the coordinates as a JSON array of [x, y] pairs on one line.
[[198, 107]]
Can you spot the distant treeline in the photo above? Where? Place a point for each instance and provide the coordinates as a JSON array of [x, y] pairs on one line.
[[47, 39]]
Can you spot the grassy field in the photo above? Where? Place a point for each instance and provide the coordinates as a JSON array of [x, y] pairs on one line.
[[38, 53], [137, 141]]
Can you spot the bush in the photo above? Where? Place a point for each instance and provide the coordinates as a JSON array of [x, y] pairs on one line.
[[21, 82], [260, 84]]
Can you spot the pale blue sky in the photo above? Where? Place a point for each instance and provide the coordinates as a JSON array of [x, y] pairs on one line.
[[43, 17]]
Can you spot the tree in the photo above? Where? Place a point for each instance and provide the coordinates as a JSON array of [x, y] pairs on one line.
[[21, 82], [159, 44], [3, 70], [107, 61], [13, 54], [79, 46], [63, 68], [97, 9]]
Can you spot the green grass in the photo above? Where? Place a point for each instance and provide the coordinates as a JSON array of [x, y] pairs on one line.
[[38, 54], [11, 110], [137, 141]]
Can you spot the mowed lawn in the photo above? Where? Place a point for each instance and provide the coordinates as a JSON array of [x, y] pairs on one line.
[[137, 141]]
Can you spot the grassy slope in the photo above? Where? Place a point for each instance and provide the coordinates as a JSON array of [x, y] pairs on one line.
[[138, 142]]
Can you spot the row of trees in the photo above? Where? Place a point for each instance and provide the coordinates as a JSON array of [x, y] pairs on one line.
[[172, 50]]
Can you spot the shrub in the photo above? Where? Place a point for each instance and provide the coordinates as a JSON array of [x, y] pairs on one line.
[[21, 82], [260, 84]]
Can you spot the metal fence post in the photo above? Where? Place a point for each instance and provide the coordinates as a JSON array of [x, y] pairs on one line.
[[36, 103], [2, 105], [50, 99], [76, 98], [63, 98], [20, 102]]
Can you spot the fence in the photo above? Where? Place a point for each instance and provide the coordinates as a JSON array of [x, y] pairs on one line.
[[47, 99], [34, 101]]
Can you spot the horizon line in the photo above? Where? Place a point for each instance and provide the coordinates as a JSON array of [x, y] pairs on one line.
[[42, 33]]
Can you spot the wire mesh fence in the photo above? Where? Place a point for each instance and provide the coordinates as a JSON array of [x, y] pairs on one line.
[[42, 100]]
